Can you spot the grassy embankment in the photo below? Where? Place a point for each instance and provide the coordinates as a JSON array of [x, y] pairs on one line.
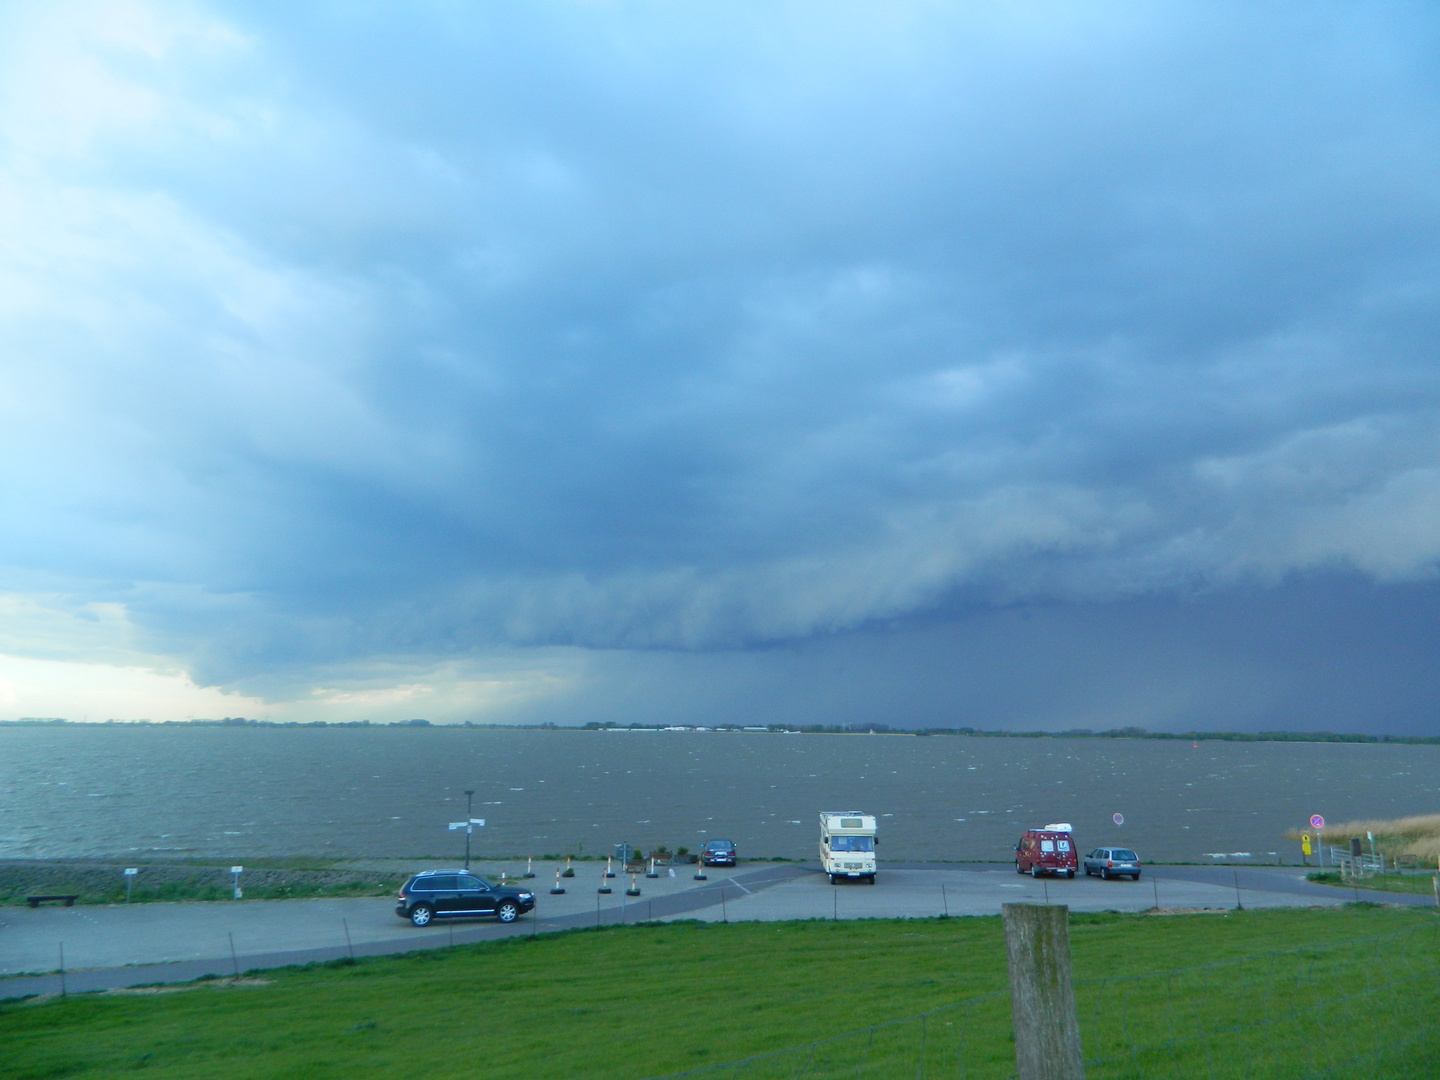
[[1401, 840], [264, 879], [1410, 838], [1401, 883], [654, 999], [273, 879]]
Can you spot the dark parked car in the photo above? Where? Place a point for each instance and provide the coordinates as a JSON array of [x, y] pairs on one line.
[[1111, 862], [458, 894], [718, 853]]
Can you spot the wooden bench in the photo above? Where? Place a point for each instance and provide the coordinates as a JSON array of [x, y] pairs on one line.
[[69, 898]]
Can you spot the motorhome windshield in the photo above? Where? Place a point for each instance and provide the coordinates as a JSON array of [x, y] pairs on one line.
[[852, 843]]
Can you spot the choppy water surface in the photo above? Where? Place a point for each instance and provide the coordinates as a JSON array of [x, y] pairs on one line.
[[235, 792]]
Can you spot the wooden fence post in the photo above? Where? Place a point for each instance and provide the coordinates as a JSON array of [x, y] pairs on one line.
[[1042, 999]]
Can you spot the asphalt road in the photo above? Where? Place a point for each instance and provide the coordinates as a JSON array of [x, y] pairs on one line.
[[118, 946]]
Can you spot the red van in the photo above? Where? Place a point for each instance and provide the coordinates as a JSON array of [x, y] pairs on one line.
[[1050, 850]]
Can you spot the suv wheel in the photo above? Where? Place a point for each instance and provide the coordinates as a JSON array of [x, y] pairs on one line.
[[508, 911], [421, 914]]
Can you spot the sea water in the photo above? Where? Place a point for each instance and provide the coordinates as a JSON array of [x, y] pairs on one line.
[[156, 792]]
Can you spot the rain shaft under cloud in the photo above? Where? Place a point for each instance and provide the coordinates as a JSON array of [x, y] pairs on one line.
[[579, 350]]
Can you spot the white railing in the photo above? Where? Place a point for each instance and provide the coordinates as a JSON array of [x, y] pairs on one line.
[[1356, 865]]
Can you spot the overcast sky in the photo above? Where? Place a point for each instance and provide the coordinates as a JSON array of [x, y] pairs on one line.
[[1023, 365]]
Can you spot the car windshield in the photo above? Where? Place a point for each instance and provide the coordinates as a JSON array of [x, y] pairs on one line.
[[852, 843], [1126, 854], [719, 845]]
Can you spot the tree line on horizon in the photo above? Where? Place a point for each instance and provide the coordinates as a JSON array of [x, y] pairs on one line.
[[799, 729]]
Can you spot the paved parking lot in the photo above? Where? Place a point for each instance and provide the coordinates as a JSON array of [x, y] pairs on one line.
[[122, 945], [913, 892]]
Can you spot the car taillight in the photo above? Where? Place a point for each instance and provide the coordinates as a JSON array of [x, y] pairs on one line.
[[1109, 863]]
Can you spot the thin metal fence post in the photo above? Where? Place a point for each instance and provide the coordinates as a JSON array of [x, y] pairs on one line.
[[62, 969], [349, 947], [234, 961]]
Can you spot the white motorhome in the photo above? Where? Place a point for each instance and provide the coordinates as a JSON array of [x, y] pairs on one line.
[[847, 844]]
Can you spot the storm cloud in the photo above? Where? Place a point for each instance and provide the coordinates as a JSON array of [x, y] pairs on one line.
[[339, 348]]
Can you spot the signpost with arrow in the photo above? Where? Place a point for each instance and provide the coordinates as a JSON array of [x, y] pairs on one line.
[[468, 825]]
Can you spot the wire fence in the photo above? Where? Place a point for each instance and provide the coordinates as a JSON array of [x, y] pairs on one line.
[[1363, 1008]]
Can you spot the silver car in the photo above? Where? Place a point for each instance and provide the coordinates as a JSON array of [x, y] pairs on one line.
[[1111, 862]]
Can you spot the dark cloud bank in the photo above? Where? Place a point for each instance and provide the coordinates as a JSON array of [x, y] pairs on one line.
[[1019, 367]]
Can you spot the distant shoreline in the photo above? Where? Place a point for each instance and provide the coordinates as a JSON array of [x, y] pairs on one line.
[[768, 729]]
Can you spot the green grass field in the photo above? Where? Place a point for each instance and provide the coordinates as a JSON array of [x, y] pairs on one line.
[[1402, 883], [656, 999], [273, 879]]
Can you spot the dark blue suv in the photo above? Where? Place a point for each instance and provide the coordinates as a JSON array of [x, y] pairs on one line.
[[717, 853], [458, 894]]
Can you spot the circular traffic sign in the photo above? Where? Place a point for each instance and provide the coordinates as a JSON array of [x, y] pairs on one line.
[[1316, 821], [1119, 819]]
